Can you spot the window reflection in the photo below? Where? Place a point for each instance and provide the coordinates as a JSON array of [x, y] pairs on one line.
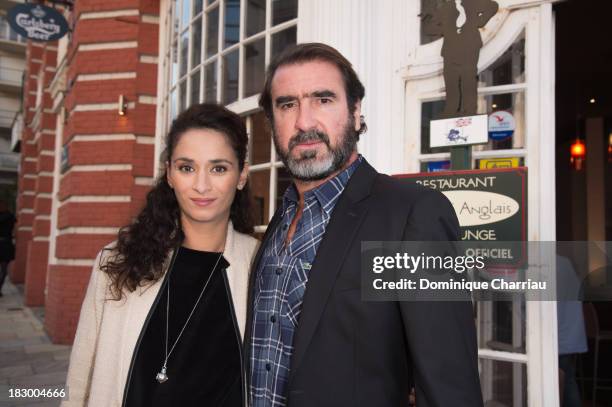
[[185, 8], [230, 78], [182, 96], [232, 22], [283, 10], [427, 6], [260, 187], [509, 68], [260, 139], [210, 84], [212, 32], [196, 43], [184, 52], [195, 87], [174, 75], [282, 40], [197, 7], [256, 16], [254, 66], [503, 383]]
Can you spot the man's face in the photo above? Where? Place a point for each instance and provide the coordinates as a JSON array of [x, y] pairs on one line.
[[314, 133]]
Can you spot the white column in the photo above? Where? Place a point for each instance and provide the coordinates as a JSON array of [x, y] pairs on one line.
[[376, 38]]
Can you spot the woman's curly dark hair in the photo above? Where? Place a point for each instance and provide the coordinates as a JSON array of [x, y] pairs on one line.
[[142, 247]]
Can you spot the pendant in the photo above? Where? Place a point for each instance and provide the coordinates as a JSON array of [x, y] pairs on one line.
[[162, 376]]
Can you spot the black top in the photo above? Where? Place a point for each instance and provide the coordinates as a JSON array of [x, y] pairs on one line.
[[204, 367], [7, 249]]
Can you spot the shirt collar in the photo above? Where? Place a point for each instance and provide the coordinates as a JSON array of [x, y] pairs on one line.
[[326, 193]]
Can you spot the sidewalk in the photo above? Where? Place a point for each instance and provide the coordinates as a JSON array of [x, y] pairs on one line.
[[28, 359]]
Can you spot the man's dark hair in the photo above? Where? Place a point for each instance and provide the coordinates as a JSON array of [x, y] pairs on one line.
[[314, 51]]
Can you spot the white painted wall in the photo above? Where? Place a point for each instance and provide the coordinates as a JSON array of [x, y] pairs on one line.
[[376, 37]]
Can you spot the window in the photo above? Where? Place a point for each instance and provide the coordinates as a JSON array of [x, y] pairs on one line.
[[427, 7], [501, 87], [217, 51], [6, 33]]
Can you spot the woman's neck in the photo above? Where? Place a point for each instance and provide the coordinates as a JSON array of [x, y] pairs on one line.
[[204, 236]]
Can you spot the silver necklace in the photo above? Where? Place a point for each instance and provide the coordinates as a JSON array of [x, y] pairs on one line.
[[161, 377]]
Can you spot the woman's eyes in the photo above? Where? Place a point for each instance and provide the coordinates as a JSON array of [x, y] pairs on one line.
[[217, 169], [186, 168]]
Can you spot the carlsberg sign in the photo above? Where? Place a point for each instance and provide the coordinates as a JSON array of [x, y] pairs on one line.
[[37, 22]]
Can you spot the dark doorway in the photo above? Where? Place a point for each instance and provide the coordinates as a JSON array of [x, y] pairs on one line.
[[584, 196]]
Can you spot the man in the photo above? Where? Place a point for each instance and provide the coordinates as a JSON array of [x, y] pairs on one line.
[[311, 340]]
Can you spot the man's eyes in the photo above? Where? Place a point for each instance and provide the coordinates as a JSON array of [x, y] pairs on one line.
[[287, 105], [291, 105]]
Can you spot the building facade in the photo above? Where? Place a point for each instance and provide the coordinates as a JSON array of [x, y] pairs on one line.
[[12, 66], [98, 102]]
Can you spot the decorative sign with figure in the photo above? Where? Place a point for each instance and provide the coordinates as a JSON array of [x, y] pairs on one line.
[[459, 22]]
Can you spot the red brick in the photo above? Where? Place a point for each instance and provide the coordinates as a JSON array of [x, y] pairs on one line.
[[45, 163], [100, 122], [143, 159], [18, 266], [105, 214], [65, 293], [41, 227], [103, 91], [101, 152], [148, 39], [42, 205], [36, 271], [104, 61], [81, 246], [107, 30], [44, 184], [96, 183]]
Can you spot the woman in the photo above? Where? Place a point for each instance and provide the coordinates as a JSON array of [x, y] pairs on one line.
[[7, 249], [164, 314]]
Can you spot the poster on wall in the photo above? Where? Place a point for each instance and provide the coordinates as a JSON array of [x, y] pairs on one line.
[[491, 205]]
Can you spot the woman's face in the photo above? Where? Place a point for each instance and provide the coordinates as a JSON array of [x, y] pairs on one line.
[[204, 173]]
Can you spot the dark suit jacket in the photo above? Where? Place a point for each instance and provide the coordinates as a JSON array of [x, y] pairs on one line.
[[348, 352]]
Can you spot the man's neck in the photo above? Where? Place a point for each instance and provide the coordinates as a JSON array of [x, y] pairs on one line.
[[305, 186]]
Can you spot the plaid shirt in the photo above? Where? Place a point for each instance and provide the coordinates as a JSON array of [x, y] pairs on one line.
[[280, 285]]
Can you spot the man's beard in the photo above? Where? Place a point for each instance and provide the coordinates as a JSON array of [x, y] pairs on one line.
[[312, 165]]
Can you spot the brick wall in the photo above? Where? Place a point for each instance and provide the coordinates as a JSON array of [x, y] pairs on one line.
[[109, 156], [36, 177]]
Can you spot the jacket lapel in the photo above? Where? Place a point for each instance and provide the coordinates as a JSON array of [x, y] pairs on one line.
[[346, 218]]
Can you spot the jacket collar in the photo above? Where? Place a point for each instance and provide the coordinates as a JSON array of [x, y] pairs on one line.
[[231, 253]]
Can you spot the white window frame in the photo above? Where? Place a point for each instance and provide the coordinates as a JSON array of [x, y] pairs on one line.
[[424, 82], [244, 106]]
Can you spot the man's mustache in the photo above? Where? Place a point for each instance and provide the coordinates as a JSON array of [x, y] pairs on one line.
[[306, 136]]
